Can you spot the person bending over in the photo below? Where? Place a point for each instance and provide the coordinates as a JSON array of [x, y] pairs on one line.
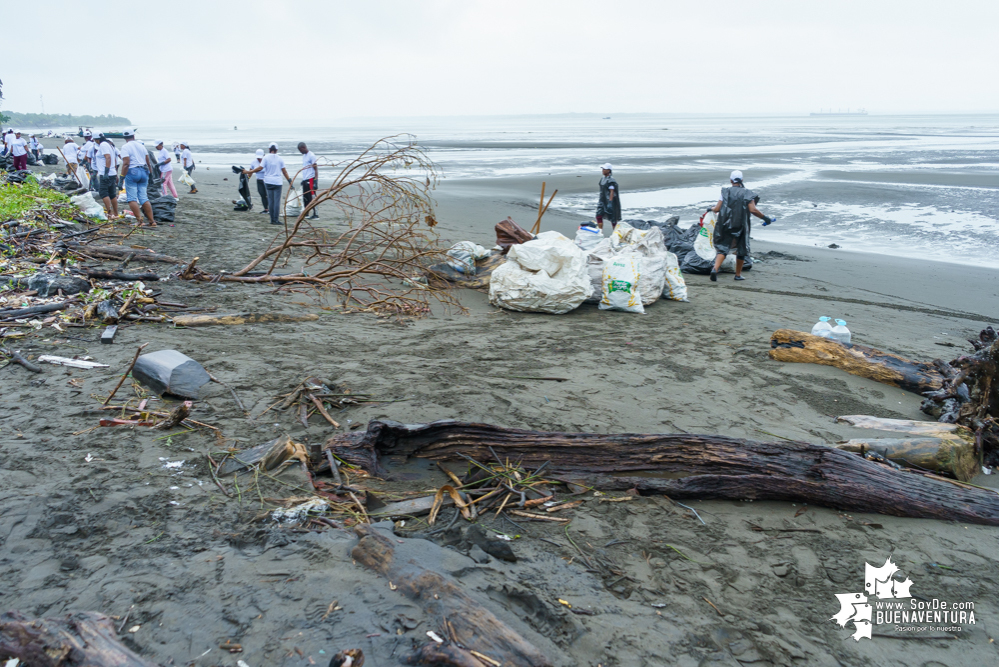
[[310, 177]]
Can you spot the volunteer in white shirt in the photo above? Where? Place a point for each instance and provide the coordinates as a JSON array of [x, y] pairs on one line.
[[261, 188], [310, 177], [70, 151], [271, 168], [8, 135], [187, 162], [105, 162], [165, 163], [135, 167], [89, 159], [36, 148], [18, 148]]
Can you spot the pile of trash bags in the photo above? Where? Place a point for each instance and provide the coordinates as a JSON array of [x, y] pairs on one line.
[[694, 246], [164, 206], [545, 275]]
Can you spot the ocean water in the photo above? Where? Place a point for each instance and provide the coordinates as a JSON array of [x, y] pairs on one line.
[[925, 187]]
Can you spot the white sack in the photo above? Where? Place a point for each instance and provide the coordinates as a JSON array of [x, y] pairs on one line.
[[293, 205], [462, 255], [676, 288], [704, 244], [648, 244], [588, 237], [546, 275], [620, 284]]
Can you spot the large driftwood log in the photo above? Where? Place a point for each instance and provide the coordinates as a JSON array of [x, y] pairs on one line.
[[458, 616], [947, 448], [691, 466], [800, 347], [84, 639]]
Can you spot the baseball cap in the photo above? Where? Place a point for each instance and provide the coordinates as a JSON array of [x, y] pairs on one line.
[[260, 152], [17, 131], [88, 133], [272, 145], [607, 165], [128, 132], [735, 176], [160, 142]]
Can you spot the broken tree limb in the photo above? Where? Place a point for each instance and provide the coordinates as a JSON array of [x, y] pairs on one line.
[[444, 655], [17, 358], [120, 275], [935, 446], [112, 252], [239, 318], [692, 466], [457, 615], [891, 369], [16, 313], [177, 415], [85, 638], [122, 380]]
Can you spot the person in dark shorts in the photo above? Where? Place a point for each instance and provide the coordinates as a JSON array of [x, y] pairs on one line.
[[609, 205], [105, 162], [310, 177], [737, 203]]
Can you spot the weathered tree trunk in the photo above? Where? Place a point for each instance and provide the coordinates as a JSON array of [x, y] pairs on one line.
[[691, 466], [800, 347], [946, 448], [458, 616], [85, 639], [442, 655]]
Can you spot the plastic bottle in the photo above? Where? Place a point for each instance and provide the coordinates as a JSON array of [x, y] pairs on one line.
[[822, 328], [840, 332]]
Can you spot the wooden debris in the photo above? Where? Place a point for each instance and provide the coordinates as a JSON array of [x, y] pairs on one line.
[[691, 466], [17, 358], [72, 363], [107, 337], [455, 614], [891, 369], [239, 318], [83, 638]]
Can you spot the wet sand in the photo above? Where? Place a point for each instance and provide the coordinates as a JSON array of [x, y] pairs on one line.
[[123, 534]]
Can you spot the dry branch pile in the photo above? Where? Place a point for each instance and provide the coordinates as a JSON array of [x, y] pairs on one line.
[[376, 254]]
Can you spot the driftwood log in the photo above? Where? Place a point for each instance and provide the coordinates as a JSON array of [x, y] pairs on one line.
[[240, 318], [685, 465], [84, 639], [946, 448], [443, 655], [459, 617], [891, 369], [121, 275]]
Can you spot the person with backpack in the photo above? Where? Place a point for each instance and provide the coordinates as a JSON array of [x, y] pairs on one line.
[[737, 203]]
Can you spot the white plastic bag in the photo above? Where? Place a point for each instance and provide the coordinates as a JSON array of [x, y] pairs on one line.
[[293, 205], [89, 206], [462, 255], [588, 237], [620, 284], [546, 275], [675, 288], [83, 176], [186, 179]]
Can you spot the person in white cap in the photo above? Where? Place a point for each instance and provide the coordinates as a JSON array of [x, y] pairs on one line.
[[261, 187], [70, 151], [609, 205], [165, 163], [135, 167], [732, 229], [271, 168], [7, 137], [187, 163], [106, 165], [310, 177], [18, 148]]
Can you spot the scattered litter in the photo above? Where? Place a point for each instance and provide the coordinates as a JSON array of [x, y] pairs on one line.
[[433, 635], [171, 464], [88, 458], [134, 629], [72, 363], [298, 513], [563, 602]]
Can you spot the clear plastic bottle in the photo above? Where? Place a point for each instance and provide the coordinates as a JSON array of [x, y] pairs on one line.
[[841, 333], [822, 328]]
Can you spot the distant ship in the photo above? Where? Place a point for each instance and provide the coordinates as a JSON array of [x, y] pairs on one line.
[[606, 118], [858, 112]]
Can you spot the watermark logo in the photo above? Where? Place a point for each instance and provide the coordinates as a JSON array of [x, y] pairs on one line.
[[886, 600]]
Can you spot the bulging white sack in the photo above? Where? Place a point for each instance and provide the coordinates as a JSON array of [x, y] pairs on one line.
[[462, 255], [648, 244], [588, 237], [546, 275], [620, 284]]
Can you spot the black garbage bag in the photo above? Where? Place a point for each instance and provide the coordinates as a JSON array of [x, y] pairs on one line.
[[240, 205], [245, 197], [50, 159], [7, 162], [32, 162], [164, 207], [691, 262], [18, 176]]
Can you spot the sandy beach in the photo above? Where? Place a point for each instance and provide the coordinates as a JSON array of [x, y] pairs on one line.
[[750, 583]]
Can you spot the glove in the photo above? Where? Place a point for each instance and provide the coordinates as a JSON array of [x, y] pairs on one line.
[[769, 221]]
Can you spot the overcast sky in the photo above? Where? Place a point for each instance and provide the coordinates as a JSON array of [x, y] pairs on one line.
[[310, 60]]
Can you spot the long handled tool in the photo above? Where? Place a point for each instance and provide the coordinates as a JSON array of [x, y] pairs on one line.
[[542, 208]]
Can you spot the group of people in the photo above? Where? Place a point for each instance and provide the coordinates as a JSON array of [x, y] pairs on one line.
[[271, 167], [17, 147], [734, 208]]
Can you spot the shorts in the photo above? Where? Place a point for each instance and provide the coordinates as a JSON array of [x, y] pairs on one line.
[[108, 187], [136, 184]]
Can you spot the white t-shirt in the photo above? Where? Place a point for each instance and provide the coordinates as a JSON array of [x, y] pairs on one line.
[[162, 155], [36, 145], [17, 147], [308, 168], [104, 154], [88, 150], [273, 164], [254, 163], [7, 138], [70, 150], [186, 159], [136, 154]]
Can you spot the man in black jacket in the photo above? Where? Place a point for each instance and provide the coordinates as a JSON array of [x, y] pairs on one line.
[[732, 229]]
